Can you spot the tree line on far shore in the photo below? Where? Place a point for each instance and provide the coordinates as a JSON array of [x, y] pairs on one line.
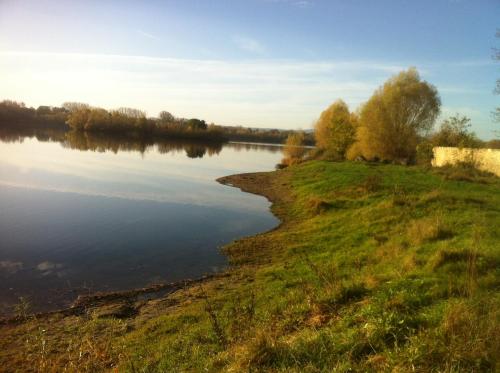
[[130, 122], [394, 125]]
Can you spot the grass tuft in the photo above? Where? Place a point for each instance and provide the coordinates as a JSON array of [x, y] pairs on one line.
[[428, 230]]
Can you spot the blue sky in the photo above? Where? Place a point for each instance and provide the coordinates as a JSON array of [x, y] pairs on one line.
[[261, 63]]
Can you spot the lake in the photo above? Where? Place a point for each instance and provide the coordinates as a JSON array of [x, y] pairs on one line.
[[84, 213]]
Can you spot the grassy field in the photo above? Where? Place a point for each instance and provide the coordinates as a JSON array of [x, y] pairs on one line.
[[374, 268]]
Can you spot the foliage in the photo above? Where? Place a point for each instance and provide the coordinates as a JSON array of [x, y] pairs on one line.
[[455, 132], [294, 149], [492, 144], [263, 135], [16, 115], [393, 118], [335, 130], [424, 153], [128, 121]]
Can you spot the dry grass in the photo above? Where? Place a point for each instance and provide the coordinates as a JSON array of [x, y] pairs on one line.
[[318, 206], [471, 334], [428, 230]]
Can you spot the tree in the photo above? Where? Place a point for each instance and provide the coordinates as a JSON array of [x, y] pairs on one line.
[[74, 106], [131, 113], [78, 117], [166, 117], [335, 130], [392, 120], [196, 124], [455, 131], [294, 149]]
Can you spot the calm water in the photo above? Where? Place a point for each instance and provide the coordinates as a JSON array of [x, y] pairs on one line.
[[80, 213]]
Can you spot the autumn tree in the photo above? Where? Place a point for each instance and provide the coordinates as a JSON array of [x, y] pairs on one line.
[[392, 120], [73, 106], [335, 130], [294, 149]]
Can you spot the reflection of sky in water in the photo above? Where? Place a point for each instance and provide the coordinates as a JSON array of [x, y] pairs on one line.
[[171, 177], [62, 227]]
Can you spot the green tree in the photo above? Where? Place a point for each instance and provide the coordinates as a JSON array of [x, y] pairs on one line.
[[455, 131], [335, 130], [392, 120]]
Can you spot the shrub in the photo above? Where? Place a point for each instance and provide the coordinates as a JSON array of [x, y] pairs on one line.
[[294, 149], [334, 131], [455, 132], [425, 153], [465, 171]]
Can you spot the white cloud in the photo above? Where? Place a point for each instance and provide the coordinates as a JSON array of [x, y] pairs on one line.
[[146, 34], [248, 44], [257, 93]]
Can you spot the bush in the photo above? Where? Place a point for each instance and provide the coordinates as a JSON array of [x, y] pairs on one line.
[[294, 149], [335, 130], [425, 153], [455, 132]]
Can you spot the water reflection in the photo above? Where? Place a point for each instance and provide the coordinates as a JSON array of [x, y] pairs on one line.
[[81, 210], [100, 142]]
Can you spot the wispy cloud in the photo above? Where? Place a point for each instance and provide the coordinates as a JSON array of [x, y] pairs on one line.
[[146, 34], [303, 3], [248, 44], [261, 93]]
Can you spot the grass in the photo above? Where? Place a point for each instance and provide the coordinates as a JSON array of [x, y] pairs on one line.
[[374, 268]]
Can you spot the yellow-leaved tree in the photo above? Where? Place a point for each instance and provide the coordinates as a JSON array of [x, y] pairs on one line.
[[335, 130], [392, 120], [294, 149]]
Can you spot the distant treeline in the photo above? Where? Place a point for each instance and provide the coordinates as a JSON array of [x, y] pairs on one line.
[[16, 115], [262, 135], [128, 122]]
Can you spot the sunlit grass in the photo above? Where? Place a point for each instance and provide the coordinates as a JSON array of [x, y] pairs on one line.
[[375, 268]]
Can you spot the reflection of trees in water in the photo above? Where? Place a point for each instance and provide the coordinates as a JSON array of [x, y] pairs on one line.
[[99, 142], [18, 135], [102, 142], [239, 146]]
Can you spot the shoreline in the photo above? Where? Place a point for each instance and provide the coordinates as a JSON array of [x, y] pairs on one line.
[[257, 183]]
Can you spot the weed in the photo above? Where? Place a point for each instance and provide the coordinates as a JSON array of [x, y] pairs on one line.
[[400, 196], [371, 183], [214, 320], [23, 308]]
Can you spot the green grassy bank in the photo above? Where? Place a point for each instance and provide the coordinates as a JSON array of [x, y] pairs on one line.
[[374, 268]]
